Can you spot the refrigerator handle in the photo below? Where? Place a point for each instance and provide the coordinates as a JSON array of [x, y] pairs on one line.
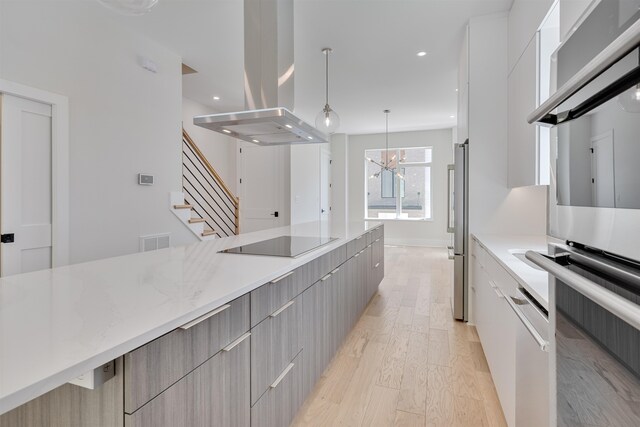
[[450, 169]]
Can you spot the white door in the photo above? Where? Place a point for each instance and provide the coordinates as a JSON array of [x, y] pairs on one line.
[[261, 188], [25, 186], [325, 185], [602, 171]]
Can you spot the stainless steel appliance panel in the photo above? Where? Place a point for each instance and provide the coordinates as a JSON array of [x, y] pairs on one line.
[[458, 287], [460, 199], [460, 297], [595, 347]]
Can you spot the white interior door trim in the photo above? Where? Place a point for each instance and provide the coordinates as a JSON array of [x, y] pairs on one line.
[[59, 163]]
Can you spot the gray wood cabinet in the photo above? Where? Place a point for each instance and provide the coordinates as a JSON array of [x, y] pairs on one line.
[[279, 405], [215, 393], [274, 343], [152, 368], [72, 406]]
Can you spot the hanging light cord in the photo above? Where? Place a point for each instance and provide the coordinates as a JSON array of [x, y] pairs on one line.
[[326, 75]]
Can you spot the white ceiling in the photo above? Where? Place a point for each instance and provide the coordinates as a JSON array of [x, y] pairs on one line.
[[374, 64]]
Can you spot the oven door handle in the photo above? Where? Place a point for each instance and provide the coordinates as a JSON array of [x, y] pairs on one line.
[[621, 46], [610, 301]]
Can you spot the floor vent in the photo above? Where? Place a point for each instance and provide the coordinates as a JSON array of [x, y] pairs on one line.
[[155, 241]]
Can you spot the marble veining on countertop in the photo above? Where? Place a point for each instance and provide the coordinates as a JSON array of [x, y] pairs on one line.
[[502, 248], [59, 323]]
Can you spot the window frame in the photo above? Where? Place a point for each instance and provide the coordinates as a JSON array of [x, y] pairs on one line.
[[397, 182]]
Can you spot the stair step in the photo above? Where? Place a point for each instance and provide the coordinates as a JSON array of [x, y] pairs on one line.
[[196, 220], [206, 233], [182, 206]]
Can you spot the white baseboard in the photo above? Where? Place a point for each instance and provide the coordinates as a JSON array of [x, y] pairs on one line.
[[427, 243]]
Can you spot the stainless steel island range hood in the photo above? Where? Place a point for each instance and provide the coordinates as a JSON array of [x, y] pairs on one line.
[[269, 82]]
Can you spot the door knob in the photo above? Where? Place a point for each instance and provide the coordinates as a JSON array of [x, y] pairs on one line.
[[274, 214]]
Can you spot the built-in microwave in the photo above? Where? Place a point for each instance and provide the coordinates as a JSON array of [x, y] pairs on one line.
[[594, 194]]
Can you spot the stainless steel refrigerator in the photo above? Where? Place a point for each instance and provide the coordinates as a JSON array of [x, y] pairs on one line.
[[459, 226]]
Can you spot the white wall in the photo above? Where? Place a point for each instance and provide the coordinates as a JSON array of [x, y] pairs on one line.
[[339, 147], [123, 119], [305, 183], [493, 208], [421, 233], [220, 150]]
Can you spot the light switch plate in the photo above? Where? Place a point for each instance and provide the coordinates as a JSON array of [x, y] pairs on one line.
[[145, 179]]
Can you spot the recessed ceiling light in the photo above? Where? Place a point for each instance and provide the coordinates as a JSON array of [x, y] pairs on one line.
[[452, 117], [309, 137], [456, 89], [216, 98], [289, 126], [226, 131], [256, 141], [421, 53]]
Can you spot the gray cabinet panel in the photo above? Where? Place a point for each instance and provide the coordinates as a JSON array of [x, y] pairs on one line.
[[271, 296], [314, 302], [153, 367], [279, 405], [72, 406], [274, 343], [215, 393]]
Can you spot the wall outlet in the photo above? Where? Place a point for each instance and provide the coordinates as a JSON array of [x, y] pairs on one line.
[[145, 179]]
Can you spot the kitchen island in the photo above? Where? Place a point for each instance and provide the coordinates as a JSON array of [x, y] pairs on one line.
[[198, 337]]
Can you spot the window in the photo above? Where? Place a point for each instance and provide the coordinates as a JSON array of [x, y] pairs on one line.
[[392, 197]]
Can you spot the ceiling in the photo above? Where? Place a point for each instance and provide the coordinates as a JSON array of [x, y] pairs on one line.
[[373, 66]]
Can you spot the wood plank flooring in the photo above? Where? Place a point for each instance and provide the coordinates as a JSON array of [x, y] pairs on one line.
[[407, 362]]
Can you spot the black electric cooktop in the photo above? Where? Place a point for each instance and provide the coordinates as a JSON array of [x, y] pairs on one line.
[[284, 246]]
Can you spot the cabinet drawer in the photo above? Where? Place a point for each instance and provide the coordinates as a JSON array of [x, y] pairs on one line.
[[152, 368], [215, 393], [378, 232], [270, 297], [279, 405], [274, 343], [356, 245]]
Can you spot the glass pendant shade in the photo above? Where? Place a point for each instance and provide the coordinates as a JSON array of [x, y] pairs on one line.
[[129, 7], [629, 100], [327, 120]]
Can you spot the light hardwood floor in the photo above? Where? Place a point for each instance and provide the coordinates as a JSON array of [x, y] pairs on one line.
[[407, 362]]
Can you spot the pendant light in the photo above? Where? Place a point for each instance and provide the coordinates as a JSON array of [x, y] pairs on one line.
[[327, 120], [129, 7], [387, 162]]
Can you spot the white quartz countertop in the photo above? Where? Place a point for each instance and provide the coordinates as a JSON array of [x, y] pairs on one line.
[[57, 324], [503, 247]]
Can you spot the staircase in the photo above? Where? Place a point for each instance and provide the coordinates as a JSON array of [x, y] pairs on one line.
[[206, 205]]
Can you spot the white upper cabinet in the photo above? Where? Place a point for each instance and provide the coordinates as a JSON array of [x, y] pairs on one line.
[[463, 90], [522, 136], [525, 17], [527, 159]]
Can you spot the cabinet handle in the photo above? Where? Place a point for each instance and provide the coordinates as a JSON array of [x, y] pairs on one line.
[[378, 239], [281, 309], [325, 277], [282, 375], [359, 237], [357, 255], [284, 276], [204, 317], [335, 271], [236, 342], [542, 343], [376, 266], [495, 288]]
